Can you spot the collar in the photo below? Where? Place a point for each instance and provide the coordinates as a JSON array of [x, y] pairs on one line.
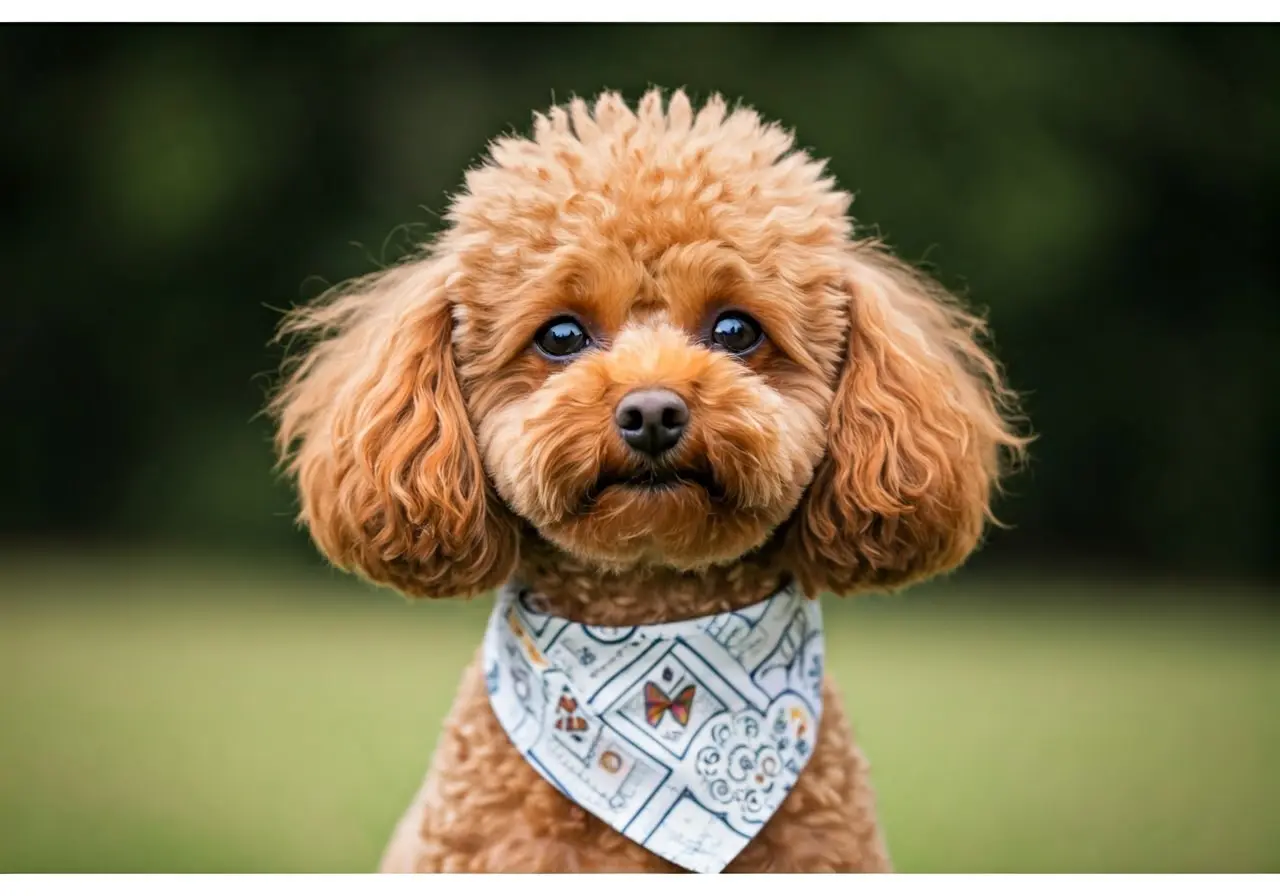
[[684, 737]]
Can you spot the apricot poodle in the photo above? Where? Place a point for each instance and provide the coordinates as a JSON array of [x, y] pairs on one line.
[[649, 373]]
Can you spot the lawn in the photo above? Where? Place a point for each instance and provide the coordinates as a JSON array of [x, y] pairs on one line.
[[205, 717]]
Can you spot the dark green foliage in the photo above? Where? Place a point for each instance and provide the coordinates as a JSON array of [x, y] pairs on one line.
[[1111, 195]]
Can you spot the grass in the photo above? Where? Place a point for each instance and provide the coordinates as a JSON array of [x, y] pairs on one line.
[[170, 717]]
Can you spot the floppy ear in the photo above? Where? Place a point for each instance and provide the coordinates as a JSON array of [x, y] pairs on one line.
[[917, 437], [373, 426]]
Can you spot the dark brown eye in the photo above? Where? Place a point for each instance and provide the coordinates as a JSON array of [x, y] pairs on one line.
[[735, 332], [563, 337]]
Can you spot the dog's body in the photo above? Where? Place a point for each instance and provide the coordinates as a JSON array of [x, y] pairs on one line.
[[484, 808], [648, 370]]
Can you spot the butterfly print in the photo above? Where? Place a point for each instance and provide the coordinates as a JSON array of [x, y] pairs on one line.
[[657, 704], [570, 721]]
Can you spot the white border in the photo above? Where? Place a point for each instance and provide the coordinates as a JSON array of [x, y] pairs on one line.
[[649, 11]]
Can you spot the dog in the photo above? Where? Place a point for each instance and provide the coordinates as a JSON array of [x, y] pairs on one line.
[[646, 373]]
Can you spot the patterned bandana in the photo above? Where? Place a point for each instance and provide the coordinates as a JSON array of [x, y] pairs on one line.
[[683, 736]]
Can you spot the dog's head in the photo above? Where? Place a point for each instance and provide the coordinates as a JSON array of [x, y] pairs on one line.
[[652, 337]]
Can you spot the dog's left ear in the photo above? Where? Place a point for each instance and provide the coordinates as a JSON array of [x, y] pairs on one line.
[[918, 436]]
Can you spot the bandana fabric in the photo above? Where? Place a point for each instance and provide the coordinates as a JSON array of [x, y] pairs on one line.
[[683, 736]]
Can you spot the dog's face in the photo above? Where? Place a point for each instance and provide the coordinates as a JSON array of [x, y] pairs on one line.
[[650, 337], [649, 400]]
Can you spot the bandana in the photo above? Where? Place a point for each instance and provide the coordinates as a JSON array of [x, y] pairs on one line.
[[682, 736]]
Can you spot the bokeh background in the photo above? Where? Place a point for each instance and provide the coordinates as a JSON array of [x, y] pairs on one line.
[[185, 687]]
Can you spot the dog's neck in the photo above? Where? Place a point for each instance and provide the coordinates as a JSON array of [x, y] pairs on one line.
[[576, 589]]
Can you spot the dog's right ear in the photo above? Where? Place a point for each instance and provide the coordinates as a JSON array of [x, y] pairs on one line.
[[372, 425]]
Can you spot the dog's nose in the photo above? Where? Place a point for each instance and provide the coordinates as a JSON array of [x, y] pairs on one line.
[[652, 420]]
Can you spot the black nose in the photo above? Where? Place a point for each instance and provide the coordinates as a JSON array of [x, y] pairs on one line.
[[652, 420]]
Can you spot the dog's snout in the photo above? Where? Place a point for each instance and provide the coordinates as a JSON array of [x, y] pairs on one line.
[[652, 420]]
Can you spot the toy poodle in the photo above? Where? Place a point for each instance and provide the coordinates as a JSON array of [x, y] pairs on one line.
[[649, 387]]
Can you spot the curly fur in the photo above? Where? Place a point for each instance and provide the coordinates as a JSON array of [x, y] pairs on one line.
[[437, 452]]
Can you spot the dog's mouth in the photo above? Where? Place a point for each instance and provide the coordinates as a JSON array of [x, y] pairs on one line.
[[655, 481]]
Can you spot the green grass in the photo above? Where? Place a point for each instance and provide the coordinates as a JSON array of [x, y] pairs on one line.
[[190, 718]]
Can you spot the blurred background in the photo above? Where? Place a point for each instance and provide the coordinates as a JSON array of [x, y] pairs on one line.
[[185, 687]]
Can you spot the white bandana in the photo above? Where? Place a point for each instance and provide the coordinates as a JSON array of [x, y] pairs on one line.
[[683, 736]]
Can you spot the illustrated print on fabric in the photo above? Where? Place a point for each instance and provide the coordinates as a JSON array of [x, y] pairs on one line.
[[750, 761], [608, 634], [656, 703], [521, 684], [663, 732], [603, 773], [695, 838], [737, 634], [802, 674], [753, 613], [522, 706], [668, 704], [621, 776], [589, 661], [749, 636], [813, 667], [526, 640], [536, 621], [775, 673], [567, 718], [791, 729]]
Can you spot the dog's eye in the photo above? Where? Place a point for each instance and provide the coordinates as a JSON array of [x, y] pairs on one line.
[[561, 338], [735, 332]]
